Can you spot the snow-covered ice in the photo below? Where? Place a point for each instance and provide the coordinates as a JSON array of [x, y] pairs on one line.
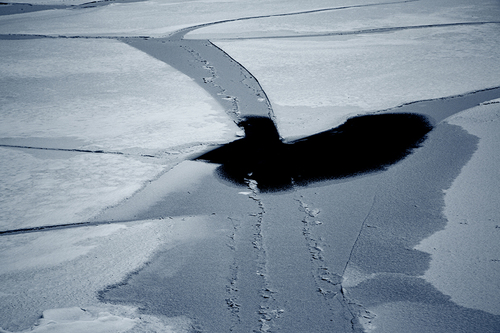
[[104, 92], [149, 18], [115, 125], [346, 76], [66, 268], [100, 95], [80, 320], [470, 274]]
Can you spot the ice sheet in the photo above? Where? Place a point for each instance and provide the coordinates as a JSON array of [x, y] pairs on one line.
[[149, 18], [66, 268], [467, 251], [36, 192], [315, 83], [104, 92], [94, 95], [354, 16]]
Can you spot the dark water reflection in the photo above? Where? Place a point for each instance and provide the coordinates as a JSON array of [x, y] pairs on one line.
[[362, 144]]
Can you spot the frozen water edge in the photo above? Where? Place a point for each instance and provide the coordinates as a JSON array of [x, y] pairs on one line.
[[472, 232]]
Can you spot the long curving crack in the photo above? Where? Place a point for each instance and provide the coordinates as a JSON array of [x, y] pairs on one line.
[[356, 310], [367, 31]]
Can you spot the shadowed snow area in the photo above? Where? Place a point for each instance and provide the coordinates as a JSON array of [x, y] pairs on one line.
[[353, 183]]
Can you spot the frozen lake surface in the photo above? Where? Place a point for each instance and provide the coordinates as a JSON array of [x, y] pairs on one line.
[[109, 224]]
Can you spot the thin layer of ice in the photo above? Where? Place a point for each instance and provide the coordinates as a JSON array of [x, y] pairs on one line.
[[467, 251]]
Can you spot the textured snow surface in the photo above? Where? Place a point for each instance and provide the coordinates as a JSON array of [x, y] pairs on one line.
[[104, 92], [36, 192], [80, 320], [105, 319]]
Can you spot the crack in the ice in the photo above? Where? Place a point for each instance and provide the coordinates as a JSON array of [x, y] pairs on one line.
[[324, 34], [208, 78], [179, 34], [356, 310], [212, 77], [185, 149], [329, 284], [22, 8], [99, 151], [37, 36], [441, 98], [363, 31], [98, 3], [59, 226], [359, 234], [258, 91]]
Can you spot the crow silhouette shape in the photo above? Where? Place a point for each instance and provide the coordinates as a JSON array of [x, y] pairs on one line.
[[361, 145]]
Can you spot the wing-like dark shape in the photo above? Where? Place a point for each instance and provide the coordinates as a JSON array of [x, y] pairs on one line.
[[362, 144]]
